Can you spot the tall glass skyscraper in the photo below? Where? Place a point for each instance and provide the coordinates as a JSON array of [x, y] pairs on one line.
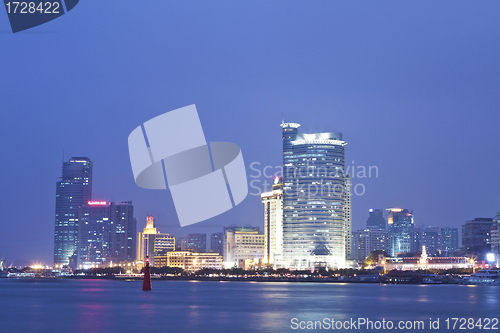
[[72, 191], [314, 199], [401, 229]]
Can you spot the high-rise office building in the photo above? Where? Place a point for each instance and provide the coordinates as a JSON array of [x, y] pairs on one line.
[[476, 235], [314, 199], [72, 191], [449, 240], [94, 234], [495, 239], [124, 245], [216, 242], [366, 241], [431, 239], [106, 233], [376, 220], [347, 216], [273, 223], [197, 242], [401, 225], [152, 242]]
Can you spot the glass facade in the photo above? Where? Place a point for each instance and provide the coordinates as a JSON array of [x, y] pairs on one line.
[[197, 242], [216, 242], [124, 232], [449, 239], [72, 191], [376, 220], [314, 199], [402, 232], [106, 232], [95, 234]]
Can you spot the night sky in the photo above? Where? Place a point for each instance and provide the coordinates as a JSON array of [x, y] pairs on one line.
[[414, 86]]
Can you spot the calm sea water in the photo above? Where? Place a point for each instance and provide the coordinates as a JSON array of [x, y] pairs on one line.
[[184, 306]]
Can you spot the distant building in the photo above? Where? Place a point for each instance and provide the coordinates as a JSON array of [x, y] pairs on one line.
[[124, 245], [400, 224], [197, 242], [347, 216], [495, 236], [106, 233], [495, 239], [476, 235], [242, 243], [431, 239], [366, 241], [273, 223], [189, 261], [72, 191], [413, 263], [151, 242], [216, 242], [183, 244], [416, 241], [94, 234], [376, 220], [449, 240]]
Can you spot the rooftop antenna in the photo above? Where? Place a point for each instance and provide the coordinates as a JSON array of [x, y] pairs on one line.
[[282, 118]]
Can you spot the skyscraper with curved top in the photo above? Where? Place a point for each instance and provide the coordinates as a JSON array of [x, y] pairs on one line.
[[72, 191], [316, 216]]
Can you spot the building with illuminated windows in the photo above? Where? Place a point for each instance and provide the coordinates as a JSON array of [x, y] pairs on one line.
[[197, 242], [241, 244], [273, 224], [366, 241], [189, 261], [216, 242], [347, 216], [94, 234], [152, 242], [316, 205], [72, 191], [401, 229], [449, 240], [106, 233], [476, 235], [124, 245]]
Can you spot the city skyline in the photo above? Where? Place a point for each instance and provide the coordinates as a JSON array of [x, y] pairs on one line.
[[414, 94]]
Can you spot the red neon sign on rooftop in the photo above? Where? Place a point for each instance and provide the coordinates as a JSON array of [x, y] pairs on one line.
[[96, 203]]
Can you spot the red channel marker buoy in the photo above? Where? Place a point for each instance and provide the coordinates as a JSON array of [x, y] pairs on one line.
[[146, 283]]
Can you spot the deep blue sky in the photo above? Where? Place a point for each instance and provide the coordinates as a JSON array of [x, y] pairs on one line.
[[414, 86]]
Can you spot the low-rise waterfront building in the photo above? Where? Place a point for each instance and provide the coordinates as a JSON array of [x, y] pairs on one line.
[[414, 263], [189, 261], [242, 243]]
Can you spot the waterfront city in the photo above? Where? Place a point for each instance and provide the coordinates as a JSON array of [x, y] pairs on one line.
[[249, 166]]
